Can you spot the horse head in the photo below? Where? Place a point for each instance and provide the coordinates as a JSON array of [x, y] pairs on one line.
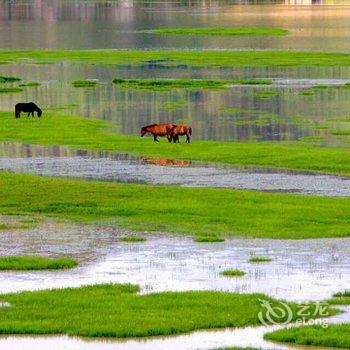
[[143, 131]]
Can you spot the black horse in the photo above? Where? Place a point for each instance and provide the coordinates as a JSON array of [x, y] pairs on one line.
[[29, 108]]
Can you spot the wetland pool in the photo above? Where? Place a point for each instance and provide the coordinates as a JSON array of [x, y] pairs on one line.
[[287, 110], [64, 162], [300, 270]]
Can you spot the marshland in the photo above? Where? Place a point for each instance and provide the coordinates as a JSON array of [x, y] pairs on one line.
[[112, 241]]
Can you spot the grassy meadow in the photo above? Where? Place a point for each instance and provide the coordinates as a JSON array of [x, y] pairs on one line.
[[17, 263], [93, 134], [177, 210], [116, 310]]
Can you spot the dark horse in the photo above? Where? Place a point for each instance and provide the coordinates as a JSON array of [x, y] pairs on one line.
[[179, 130], [157, 130], [29, 108]]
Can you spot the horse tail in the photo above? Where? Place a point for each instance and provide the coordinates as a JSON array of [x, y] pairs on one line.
[[17, 110], [190, 131]]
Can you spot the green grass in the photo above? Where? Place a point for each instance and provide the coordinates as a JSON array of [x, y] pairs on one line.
[[259, 259], [6, 79], [223, 31], [209, 239], [92, 134], [30, 84], [202, 212], [10, 90], [118, 311], [6, 227], [35, 263], [265, 94], [311, 91], [183, 57], [168, 84], [340, 298], [334, 336], [84, 83], [132, 239], [341, 133], [233, 273]]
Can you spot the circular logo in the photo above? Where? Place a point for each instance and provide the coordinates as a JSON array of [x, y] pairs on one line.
[[279, 313]]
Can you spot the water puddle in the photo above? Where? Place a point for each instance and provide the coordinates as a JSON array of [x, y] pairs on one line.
[[300, 270], [63, 162]]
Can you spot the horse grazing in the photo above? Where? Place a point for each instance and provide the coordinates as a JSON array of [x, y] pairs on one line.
[[29, 108], [157, 130], [179, 130]]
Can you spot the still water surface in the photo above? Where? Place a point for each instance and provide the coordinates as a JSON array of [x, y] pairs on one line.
[[236, 113]]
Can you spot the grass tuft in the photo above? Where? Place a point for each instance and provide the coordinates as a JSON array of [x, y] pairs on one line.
[[35, 263], [223, 31], [259, 259], [132, 239], [168, 84], [233, 273], [4, 79], [30, 84], [85, 83], [208, 239], [10, 90]]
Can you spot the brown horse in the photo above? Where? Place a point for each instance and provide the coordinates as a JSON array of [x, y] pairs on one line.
[[157, 130], [179, 130]]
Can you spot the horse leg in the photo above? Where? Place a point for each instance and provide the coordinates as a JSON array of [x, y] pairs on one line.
[[32, 114], [155, 138], [188, 138], [28, 114]]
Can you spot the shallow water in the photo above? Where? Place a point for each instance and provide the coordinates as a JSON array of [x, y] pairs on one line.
[[235, 113], [300, 270], [119, 24], [181, 173]]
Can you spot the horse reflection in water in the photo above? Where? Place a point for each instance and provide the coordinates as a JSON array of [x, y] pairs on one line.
[[167, 162]]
